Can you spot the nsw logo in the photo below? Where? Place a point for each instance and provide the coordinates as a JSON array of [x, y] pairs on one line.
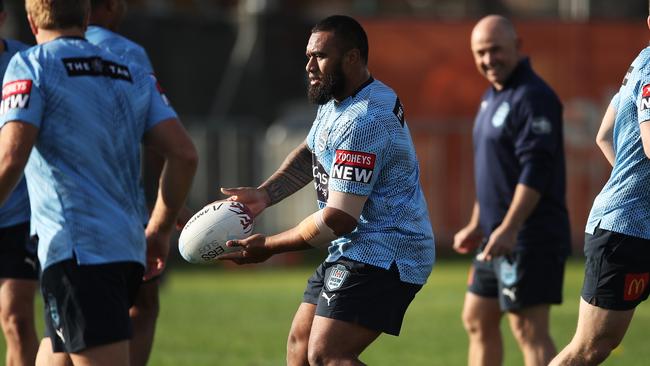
[[354, 166], [336, 278], [500, 115], [15, 95]]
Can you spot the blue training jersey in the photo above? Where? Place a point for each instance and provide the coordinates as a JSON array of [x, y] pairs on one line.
[[91, 111], [623, 205], [518, 139], [119, 45], [131, 53], [15, 210], [363, 146]]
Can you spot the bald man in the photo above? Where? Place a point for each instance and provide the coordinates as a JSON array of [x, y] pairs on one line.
[[519, 228]]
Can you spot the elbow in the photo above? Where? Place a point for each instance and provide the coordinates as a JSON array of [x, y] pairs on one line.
[[339, 221], [188, 156]]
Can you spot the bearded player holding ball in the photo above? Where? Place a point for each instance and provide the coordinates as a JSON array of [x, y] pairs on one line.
[[372, 215]]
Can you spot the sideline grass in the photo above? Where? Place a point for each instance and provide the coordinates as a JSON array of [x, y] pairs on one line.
[[211, 316]]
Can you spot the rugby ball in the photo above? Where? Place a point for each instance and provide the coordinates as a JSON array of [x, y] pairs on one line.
[[204, 236]]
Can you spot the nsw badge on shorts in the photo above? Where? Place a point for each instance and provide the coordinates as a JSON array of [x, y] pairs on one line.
[[338, 274], [508, 273]]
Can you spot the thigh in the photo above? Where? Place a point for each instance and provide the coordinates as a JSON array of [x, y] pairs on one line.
[[17, 296], [337, 337], [530, 278], [18, 259], [88, 306], [617, 270], [302, 321], [596, 325], [482, 311]]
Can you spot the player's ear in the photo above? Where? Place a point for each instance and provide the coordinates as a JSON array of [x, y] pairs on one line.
[[353, 56], [648, 21], [32, 25]]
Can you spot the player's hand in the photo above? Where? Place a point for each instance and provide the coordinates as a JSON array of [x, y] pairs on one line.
[[254, 198], [501, 242], [467, 239], [183, 217], [157, 252], [253, 250]]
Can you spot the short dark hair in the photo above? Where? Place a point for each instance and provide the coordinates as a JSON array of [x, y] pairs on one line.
[[94, 4], [348, 32]]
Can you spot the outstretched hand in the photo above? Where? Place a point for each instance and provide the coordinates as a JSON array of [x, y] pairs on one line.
[[255, 199], [467, 239], [253, 250]]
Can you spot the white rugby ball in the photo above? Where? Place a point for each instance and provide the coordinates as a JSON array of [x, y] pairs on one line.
[[204, 236]]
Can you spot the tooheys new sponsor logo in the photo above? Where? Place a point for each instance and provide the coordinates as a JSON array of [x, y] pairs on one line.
[[15, 95], [354, 166], [645, 98]]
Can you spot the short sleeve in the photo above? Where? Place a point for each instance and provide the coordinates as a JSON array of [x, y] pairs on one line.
[[538, 138], [643, 101], [358, 157], [159, 109], [21, 94]]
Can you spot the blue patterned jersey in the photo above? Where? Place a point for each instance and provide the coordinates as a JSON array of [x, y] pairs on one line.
[[363, 146], [132, 53], [119, 45], [518, 139], [15, 210], [91, 111], [623, 205]]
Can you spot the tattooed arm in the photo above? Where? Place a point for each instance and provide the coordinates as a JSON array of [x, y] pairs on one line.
[[293, 174]]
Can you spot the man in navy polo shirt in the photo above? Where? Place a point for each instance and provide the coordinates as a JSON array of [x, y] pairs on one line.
[[519, 223]]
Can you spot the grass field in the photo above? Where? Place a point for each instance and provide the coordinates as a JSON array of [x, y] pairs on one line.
[[215, 317]]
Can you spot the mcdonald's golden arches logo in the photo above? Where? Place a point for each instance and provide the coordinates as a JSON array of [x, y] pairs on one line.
[[635, 285]]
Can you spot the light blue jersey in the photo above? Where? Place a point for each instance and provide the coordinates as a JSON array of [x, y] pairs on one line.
[[131, 53], [623, 206], [119, 45], [92, 112], [15, 210], [363, 146]]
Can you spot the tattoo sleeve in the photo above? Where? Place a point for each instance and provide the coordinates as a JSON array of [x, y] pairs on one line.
[[293, 174]]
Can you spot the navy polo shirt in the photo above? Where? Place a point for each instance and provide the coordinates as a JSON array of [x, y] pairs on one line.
[[518, 138]]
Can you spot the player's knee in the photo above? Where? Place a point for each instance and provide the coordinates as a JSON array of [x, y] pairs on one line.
[[296, 346], [16, 325], [475, 325], [596, 352]]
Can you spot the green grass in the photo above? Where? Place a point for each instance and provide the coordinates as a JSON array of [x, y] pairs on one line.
[[212, 316]]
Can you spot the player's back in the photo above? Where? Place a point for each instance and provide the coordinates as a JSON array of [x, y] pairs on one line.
[[91, 111]]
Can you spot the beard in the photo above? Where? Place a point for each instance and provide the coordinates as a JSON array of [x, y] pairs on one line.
[[332, 84]]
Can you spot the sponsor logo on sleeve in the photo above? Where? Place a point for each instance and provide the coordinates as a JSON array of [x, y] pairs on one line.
[[15, 94], [161, 91], [354, 166], [96, 66], [627, 75], [541, 126], [321, 179], [645, 98], [398, 110], [636, 285]]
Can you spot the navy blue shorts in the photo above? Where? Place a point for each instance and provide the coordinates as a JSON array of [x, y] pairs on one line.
[[617, 270], [522, 279], [88, 305], [18, 258], [362, 294]]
